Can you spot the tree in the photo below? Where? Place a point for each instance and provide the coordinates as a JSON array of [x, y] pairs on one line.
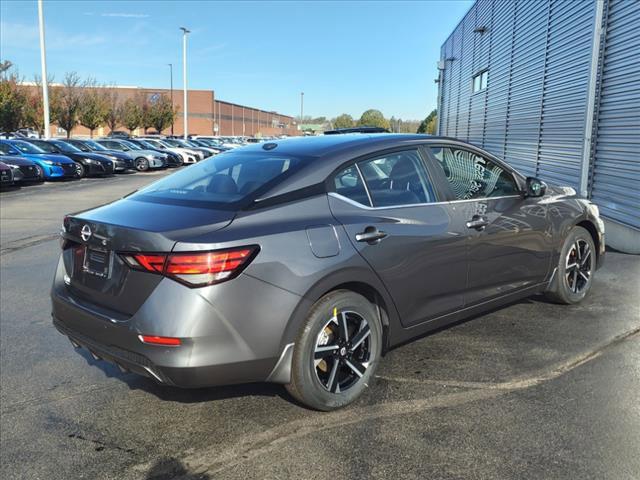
[[94, 108], [13, 99], [373, 118], [67, 108], [162, 114], [34, 107], [146, 108], [428, 125], [131, 114], [114, 108], [343, 121]]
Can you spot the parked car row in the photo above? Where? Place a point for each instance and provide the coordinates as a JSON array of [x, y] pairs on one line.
[[31, 159], [28, 160]]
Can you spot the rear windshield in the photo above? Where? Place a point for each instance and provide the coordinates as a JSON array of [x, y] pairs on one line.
[[225, 181]]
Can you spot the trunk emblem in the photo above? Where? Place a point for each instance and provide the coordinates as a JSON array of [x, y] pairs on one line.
[[85, 233]]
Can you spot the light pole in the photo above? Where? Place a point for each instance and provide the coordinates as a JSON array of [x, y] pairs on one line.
[[301, 106], [184, 77], [43, 62], [171, 83]]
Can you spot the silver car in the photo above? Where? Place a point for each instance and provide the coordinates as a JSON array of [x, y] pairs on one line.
[[143, 159]]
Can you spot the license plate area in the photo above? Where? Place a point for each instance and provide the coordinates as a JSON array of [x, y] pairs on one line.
[[97, 262]]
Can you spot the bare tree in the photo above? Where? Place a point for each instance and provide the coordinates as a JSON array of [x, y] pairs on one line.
[[114, 107], [68, 105]]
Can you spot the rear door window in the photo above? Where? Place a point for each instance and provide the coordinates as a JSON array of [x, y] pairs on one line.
[[398, 178]]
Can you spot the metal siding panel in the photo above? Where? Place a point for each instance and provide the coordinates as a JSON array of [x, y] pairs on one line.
[[525, 93], [498, 80], [616, 169], [466, 72], [565, 91]]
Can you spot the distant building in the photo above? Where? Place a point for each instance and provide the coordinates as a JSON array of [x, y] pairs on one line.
[[553, 86], [207, 115]]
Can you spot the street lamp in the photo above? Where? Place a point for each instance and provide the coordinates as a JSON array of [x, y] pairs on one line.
[[43, 62], [301, 105], [171, 75], [184, 76]]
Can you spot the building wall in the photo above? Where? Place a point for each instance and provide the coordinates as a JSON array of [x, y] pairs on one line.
[[545, 90], [234, 119], [207, 116]]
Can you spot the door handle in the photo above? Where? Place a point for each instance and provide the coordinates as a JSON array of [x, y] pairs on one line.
[[478, 222], [371, 235]]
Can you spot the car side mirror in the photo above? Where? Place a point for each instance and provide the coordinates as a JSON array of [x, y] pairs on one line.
[[535, 187]]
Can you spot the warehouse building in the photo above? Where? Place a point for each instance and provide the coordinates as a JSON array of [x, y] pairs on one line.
[[553, 87], [207, 115]]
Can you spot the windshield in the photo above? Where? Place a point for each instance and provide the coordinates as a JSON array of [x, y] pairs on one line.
[[153, 143], [45, 147], [7, 149], [223, 181], [65, 147], [131, 145], [94, 145], [26, 147], [80, 145], [147, 144], [173, 143]]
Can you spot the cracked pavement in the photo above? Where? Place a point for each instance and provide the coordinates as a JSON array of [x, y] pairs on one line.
[[533, 390]]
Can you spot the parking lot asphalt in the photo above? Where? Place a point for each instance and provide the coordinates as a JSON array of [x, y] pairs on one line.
[[533, 390]]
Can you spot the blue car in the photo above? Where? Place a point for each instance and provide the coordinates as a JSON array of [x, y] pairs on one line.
[[52, 166]]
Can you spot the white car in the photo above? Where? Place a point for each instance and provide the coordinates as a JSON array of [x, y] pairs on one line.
[[176, 144], [187, 155]]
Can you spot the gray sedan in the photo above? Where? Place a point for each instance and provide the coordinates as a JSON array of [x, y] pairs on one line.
[[303, 261]]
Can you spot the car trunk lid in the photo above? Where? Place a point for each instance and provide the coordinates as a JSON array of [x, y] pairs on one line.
[[94, 241]]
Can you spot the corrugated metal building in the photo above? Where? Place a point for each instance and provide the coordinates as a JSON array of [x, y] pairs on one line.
[[553, 86]]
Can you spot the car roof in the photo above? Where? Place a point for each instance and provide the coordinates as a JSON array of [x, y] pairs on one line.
[[332, 151], [318, 146]]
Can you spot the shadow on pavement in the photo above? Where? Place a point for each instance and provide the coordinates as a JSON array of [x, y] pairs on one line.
[[185, 395], [171, 468]]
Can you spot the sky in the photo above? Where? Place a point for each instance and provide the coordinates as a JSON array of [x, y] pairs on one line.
[[346, 57]]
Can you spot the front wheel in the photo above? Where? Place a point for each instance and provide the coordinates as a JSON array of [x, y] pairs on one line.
[[142, 164], [81, 172], [574, 275], [336, 352]]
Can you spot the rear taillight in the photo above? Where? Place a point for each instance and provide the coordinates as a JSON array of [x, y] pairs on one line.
[[163, 341], [194, 269]]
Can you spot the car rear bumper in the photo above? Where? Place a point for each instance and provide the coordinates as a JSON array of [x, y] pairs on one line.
[[223, 340]]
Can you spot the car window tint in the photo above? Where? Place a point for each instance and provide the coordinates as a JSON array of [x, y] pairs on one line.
[[473, 176], [397, 179], [348, 183]]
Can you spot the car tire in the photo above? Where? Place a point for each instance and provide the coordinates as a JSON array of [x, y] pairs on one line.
[[142, 164], [81, 171], [317, 382], [574, 273]]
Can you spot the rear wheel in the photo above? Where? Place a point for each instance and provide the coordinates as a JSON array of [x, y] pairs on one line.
[[336, 352], [574, 274], [142, 164]]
